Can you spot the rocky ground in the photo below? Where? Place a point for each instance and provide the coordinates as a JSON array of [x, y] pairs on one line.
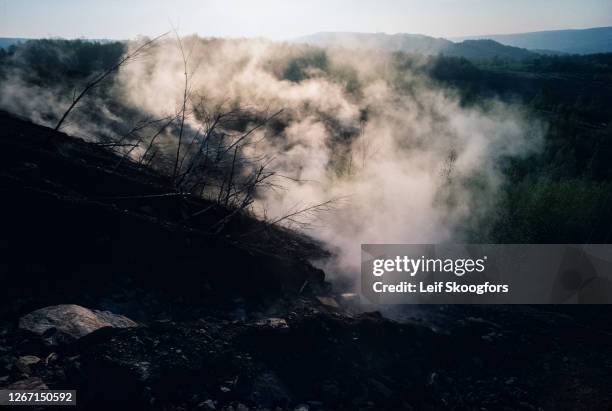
[[111, 286]]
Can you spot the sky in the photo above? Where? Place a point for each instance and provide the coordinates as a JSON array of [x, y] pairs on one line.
[[287, 19]]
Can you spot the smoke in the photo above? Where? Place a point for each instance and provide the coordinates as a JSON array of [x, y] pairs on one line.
[[403, 159]]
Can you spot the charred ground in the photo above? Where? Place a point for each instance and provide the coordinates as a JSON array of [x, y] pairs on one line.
[[241, 319]]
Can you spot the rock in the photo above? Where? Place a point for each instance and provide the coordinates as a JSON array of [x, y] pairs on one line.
[[51, 358], [70, 321], [273, 322], [302, 407], [328, 302], [32, 383], [24, 363]]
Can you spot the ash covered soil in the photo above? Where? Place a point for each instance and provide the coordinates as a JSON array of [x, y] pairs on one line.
[[113, 285]]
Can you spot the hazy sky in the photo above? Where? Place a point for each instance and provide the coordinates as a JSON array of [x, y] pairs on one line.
[[282, 19]]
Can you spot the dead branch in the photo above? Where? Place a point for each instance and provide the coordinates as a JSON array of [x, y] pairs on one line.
[[324, 206], [184, 109], [104, 75], [231, 178], [152, 141], [136, 197]]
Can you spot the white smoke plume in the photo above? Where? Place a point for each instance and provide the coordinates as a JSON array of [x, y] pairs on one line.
[[409, 162]]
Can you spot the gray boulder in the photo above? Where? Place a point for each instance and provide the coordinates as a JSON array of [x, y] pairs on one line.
[[70, 321]]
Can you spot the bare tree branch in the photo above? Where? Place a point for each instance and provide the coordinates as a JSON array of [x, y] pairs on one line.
[[102, 76], [184, 109]]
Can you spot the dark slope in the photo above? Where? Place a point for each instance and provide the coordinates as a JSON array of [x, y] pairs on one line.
[[225, 323], [80, 219]]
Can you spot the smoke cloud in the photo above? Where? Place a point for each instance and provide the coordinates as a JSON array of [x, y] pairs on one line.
[[404, 159]]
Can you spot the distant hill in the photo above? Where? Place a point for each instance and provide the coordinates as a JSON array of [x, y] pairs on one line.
[[481, 49], [416, 43], [410, 43], [585, 41]]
